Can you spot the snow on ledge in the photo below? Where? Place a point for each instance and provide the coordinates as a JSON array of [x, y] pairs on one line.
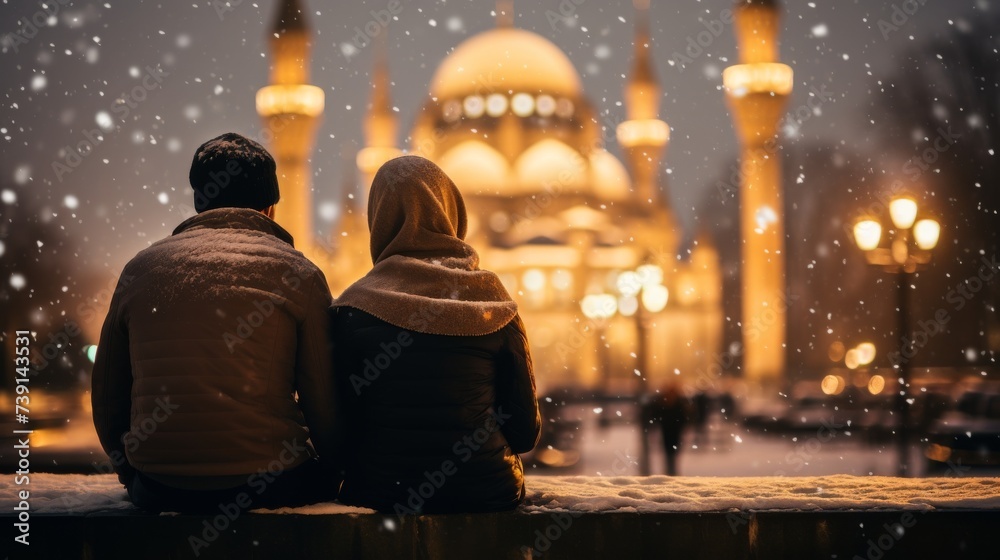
[[83, 494]]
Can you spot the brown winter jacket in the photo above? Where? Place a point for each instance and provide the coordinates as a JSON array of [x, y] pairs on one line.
[[210, 333]]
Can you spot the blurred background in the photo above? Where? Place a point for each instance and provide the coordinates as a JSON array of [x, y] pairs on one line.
[[762, 236]]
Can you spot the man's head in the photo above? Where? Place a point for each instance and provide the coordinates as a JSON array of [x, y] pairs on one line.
[[232, 171]]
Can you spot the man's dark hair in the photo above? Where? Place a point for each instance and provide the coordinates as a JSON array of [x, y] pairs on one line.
[[233, 171]]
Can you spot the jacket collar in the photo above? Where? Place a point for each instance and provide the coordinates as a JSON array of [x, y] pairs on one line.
[[235, 218]]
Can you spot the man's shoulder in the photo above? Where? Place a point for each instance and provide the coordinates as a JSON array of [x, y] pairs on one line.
[[237, 250]]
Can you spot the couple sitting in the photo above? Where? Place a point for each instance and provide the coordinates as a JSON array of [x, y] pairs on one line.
[[225, 374]]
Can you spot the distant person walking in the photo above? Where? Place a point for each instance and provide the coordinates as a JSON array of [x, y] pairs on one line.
[[432, 358], [671, 411]]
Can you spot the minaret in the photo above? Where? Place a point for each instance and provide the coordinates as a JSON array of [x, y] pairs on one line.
[[291, 109], [643, 136], [757, 90], [381, 124], [349, 239]]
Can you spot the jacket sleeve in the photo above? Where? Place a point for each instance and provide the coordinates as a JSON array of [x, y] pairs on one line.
[[516, 390], [111, 389], [314, 380]]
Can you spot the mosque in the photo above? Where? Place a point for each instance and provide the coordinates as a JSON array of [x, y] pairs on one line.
[[587, 245]]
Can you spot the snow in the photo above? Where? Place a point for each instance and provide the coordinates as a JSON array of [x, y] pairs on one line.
[[75, 494], [79, 494], [678, 494]]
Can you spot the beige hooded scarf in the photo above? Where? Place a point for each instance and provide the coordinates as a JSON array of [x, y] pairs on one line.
[[426, 278]]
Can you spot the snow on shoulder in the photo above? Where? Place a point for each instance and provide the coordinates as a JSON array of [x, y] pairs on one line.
[[67, 494]]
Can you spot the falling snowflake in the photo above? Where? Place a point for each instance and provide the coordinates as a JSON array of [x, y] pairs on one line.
[[104, 121]]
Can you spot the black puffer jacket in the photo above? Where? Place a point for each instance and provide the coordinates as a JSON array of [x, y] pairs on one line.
[[435, 421]]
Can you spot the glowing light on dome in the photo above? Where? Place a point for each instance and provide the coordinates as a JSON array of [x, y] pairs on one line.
[[473, 106], [545, 105], [564, 108], [496, 104], [522, 104], [452, 111]]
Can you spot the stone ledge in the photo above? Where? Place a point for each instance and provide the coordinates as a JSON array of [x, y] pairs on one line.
[[517, 535], [79, 516]]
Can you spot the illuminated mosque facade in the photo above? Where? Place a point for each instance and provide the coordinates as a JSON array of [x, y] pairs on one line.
[[586, 244]]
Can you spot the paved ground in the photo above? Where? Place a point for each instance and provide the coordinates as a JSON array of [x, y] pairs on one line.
[[731, 450]]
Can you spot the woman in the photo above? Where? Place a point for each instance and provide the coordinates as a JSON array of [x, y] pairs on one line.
[[432, 359]]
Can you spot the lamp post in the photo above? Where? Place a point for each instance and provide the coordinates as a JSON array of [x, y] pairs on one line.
[[909, 244], [599, 308], [641, 293]]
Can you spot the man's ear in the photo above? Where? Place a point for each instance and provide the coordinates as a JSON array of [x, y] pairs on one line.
[[269, 211]]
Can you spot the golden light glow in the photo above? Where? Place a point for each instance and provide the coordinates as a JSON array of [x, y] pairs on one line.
[[650, 275], [628, 305], [926, 234], [759, 77], [609, 177], [832, 385], [287, 99], [866, 353], [867, 234], [476, 168], [654, 298], [599, 306], [851, 359], [646, 132], [496, 104], [562, 279], [628, 283], [938, 452], [522, 104], [545, 105], [876, 384], [473, 106], [370, 159], [551, 164], [564, 108], [903, 211], [900, 252], [836, 351], [533, 280], [505, 59]]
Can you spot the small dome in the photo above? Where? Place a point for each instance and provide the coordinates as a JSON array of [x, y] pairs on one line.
[[476, 168], [610, 179], [502, 60], [551, 164]]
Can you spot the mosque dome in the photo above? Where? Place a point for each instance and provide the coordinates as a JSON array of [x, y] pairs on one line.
[[506, 59]]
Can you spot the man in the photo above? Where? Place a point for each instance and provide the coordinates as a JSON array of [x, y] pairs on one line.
[[210, 334]]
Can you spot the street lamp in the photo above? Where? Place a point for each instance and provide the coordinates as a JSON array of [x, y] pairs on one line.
[[599, 308], [908, 247], [640, 292]]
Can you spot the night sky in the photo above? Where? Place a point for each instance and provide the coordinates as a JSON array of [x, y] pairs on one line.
[[61, 80]]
